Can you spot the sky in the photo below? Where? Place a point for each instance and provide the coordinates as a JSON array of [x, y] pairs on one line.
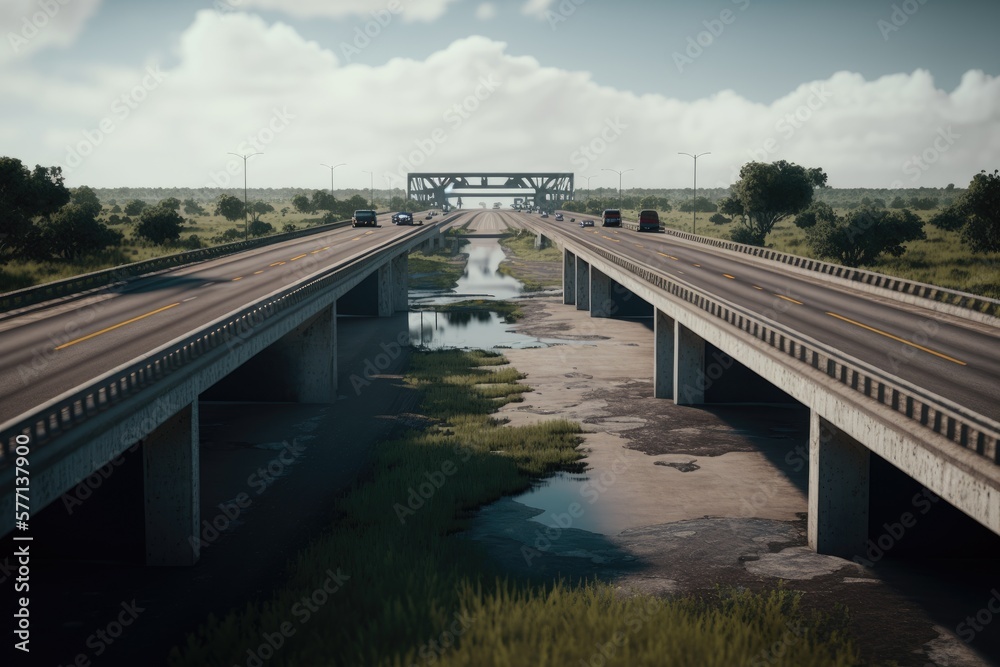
[[134, 93]]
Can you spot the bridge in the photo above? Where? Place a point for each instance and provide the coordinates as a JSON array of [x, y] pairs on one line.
[[91, 373], [546, 190], [905, 371]]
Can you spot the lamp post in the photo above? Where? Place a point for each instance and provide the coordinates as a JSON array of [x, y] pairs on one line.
[[615, 171], [694, 195], [246, 222], [388, 192], [589, 194], [371, 185], [342, 164]]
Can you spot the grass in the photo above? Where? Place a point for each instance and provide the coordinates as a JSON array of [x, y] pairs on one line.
[[436, 270], [940, 259], [417, 594], [510, 311], [521, 253]]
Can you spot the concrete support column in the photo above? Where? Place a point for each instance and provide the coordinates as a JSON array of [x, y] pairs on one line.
[[601, 302], [663, 355], [689, 366], [569, 277], [582, 285], [172, 493], [385, 294], [541, 242], [400, 282], [309, 355], [838, 491]]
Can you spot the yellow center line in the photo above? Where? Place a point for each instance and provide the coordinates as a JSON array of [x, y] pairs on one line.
[[326, 247], [788, 298], [276, 264], [298, 257], [315, 251], [639, 245], [898, 339], [356, 238], [729, 276], [758, 287], [237, 278], [367, 233], [668, 256], [257, 273], [115, 326], [697, 265]]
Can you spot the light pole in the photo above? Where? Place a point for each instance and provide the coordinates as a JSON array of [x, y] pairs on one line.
[[342, 164], [589, 194], [388, 192], [371, 185], [694, 195], [615, 171], [246, 223]]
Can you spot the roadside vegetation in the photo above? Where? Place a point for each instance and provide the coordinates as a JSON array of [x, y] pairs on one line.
[[510, 311], [407, 590], [438, 269]]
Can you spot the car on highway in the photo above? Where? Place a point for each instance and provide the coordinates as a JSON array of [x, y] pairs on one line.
[[402, 218], [587, 223], [649, 221], [364, 218], [559, 217], [429, 216], [612, 217], [544, 214]]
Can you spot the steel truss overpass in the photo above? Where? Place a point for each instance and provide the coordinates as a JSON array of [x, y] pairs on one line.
[[544, 189]]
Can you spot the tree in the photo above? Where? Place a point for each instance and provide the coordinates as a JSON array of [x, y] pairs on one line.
[[260, 228], [301, 204], [700, 204], [864, 235], [897, 202], [981, 204], [25, 196], [191, 207], [73, 231], [134, 207], [767, 193], [171, 203], [159, 225], [323, 201], [819, 212], [229, 207], [719, 219], [257, 209], [87, 198]]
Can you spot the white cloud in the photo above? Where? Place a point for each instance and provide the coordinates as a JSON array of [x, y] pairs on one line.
[[537, 8], [472, 105], [486, 11], [409, 10], [31, 26]]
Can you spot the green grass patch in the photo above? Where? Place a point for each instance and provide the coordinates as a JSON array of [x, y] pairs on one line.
[[438, 269], [409, 579], [522, 254]]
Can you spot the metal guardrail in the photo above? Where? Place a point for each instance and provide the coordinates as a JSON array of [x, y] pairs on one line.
[[30, 296], [944, 295], [959, 425], [63, 412]]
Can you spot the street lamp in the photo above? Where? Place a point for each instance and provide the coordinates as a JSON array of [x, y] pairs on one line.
[[615, 171], [371, 185], [694, 195], [342, 164], [388, 191], [246, 223], [589, 194]]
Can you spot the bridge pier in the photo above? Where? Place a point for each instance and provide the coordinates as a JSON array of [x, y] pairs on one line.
[[400, 284], [601, 302], [569, 277], [171, 481], [838, 491], [689, 366], [384, 294], [663, 355], [582, 285], [541, 242]]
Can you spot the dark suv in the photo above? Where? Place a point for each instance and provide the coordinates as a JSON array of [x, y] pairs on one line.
[[364, 218], [649, 220], [612, 218]]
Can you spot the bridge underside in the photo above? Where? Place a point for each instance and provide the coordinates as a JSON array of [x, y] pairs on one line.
[[545, 190], [859, 459]]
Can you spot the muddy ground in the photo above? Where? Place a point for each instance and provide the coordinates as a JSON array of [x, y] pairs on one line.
[[681, 499]]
